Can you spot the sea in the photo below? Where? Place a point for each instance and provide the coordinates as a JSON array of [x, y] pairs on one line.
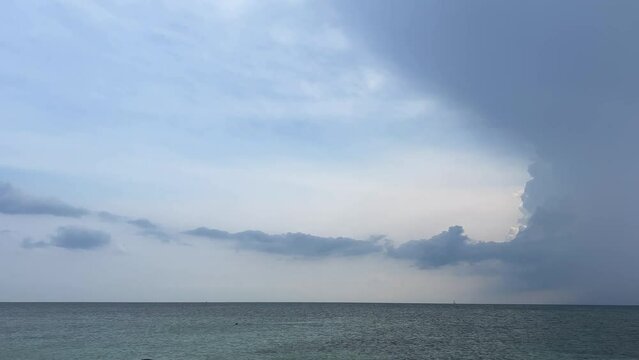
[[163, 331]]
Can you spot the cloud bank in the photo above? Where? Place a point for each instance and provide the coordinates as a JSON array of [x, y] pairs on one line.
[[15, 202], [448, 248], [293, 244], [72, 238]]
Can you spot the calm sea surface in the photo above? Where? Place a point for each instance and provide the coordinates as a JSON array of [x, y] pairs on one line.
[[315, 331]]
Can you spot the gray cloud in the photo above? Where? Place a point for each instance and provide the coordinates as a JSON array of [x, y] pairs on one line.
[[15, 202], [110, 217], [150, 229], [143, 223], [448, 248], [561, 76], [72, 238], [146, 227], [540, 257], [293, 244]]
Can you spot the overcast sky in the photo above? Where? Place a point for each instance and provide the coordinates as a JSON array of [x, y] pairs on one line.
[[300, 150]]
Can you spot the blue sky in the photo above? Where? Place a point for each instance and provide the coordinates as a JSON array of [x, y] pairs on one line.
[[274, 116]]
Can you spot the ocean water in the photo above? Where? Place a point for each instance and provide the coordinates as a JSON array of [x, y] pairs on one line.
[[68, 331]]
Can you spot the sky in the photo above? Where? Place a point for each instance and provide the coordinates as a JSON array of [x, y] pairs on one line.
[[302, 150]]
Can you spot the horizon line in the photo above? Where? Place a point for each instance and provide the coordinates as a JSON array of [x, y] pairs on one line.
[[315, 302]]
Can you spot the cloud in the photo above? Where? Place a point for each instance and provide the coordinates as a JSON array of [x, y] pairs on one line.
[[451, 247], [72, 238], [147, 228], [448, 248], [293, 244], [150, 229], [560, 76], [15, 202], [142, 223], [110, 217]]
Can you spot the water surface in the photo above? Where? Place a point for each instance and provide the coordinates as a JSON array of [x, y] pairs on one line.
[[158, 331]]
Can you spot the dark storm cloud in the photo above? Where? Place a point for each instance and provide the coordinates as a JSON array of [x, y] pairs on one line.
[[72, 238], [15, 202], [561, 76], [293, 244]]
